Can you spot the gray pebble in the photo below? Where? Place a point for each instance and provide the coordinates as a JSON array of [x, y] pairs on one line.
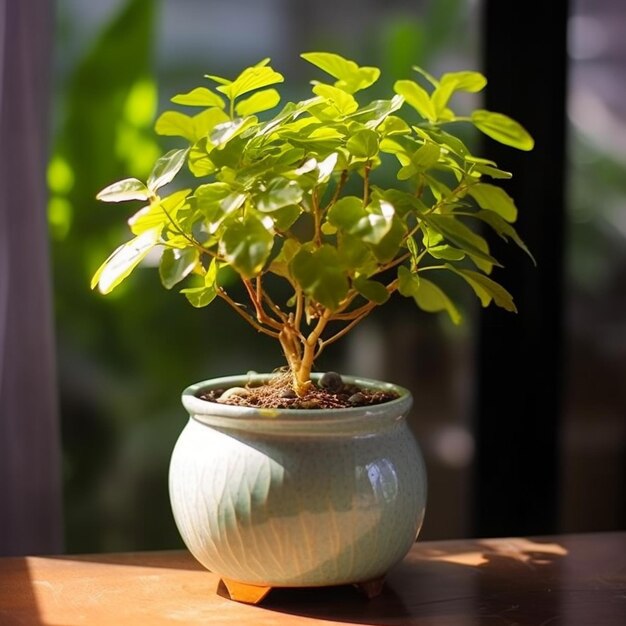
[[331, 381]]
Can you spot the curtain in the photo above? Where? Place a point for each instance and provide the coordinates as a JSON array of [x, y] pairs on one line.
[[30, 491]]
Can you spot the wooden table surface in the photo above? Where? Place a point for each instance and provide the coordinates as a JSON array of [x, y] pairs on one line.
[[569, 579]]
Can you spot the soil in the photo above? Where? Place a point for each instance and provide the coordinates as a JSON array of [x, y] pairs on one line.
[[329, 393]]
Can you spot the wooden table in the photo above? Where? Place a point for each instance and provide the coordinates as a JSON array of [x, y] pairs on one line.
[[570, 579]]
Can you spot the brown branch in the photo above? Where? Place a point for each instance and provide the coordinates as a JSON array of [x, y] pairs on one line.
[[338, 189], [246, 316], [261, 315]]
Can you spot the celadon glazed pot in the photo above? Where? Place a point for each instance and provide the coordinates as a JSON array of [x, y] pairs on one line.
[[297, 498]]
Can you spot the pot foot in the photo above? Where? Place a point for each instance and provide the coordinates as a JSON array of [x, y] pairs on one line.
[[243, 592], [371, 588]]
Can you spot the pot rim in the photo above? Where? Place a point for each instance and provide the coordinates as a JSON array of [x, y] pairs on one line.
[[226, 415]]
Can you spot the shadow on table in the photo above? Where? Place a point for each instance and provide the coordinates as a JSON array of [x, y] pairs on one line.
[[179, 559], [489, 581]]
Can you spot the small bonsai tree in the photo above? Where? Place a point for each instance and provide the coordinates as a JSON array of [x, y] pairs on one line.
[[300, 195]]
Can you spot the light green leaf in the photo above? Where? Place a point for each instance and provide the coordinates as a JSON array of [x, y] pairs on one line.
[[376, 112], [370, 224], [124, 260], [175, 124], [387, 248], [154, 215], [426, 156], [257, 102], [428, 296], [176, 264], [486, 289], [246, 245], [199, 97], [250, 79], [127, 189], [208, 199], [285, 217], [224, 132], [371, 290], [447, 253], [350, 77], [200, 163], [355, 255], [203, 296], [417, 97], [166, 168], [495, 199], [280, 192], [363, 144], [343, 102], [462, 237], [503, 129], [504, 230], [456, 81], [318, 272], [280, 265], [205, 121]]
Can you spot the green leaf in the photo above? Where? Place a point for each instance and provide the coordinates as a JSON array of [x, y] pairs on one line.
[[204, 122], [504, 230], [257, 102], [355, 255], [319, 274], [343, 102], [370, 224], [124, 260], [426, 156], [280, 265], [456, 81], [246, 245], [285, 217], [200, 163], [377, 112], [127, 189], [462, 237], [176, 264], [208, 199], [448, 253], [503, 129], [486, 289], [203, 296], [199, 97], [371, 290], [350, 77], [250, 79], [387, 248], [280, 192], [428, 296], [224, 132], [494, 199], [175, 124], [417, 97], [166, 168], [154, 215], [363, 144]]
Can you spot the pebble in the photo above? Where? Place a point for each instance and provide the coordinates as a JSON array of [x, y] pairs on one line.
[[242, 392], [357, 399], [309, 404], [331, 381]]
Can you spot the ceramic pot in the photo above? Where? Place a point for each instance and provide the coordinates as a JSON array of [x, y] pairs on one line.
[[292, 498]]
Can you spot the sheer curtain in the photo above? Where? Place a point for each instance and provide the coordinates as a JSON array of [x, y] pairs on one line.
[[30, 488]]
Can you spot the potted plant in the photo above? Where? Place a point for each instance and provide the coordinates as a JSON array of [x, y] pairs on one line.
[[298, 479]]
